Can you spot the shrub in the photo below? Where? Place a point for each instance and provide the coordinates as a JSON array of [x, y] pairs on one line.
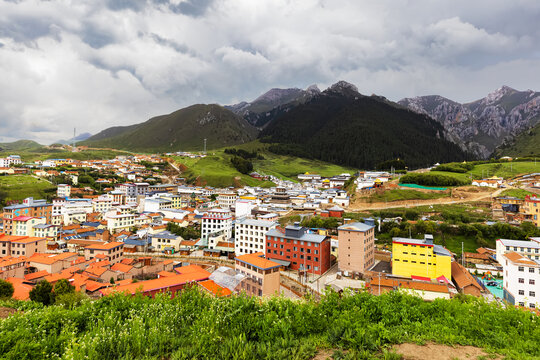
[[42, 293], [6, 289], [63, 287]]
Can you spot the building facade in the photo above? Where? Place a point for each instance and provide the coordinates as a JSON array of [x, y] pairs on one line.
[[216, 220], [29, 207], [299, 249], [262, 274], [250, 235], [413, 257], [530, 249], [531, 209], [521, 280], [356, 247]]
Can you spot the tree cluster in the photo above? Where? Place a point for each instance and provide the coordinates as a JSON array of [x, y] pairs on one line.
[[242, 165], [428, 179]]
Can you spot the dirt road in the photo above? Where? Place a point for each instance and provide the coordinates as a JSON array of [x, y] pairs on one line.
[[458, 196]]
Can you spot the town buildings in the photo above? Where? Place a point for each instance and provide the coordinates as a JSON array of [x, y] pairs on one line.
[[29, 207], [530, 249], [356, 247], [420, 258], [11, 245], [216, 221], [531, 209], [250, 235], [521, 280], [296, 247], [263, 274]]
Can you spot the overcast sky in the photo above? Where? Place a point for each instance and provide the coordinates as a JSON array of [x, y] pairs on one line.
[[98, 63]]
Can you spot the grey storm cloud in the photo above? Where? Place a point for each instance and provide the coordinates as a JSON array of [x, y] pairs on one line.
[[92, 64]]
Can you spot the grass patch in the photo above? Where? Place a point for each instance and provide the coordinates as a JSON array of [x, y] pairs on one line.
[[404, 194], [518, 193], [51, 153], [505, 169], [19, 187]]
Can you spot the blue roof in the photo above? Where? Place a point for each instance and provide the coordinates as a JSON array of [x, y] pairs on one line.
[[356, 226], [316, 238]]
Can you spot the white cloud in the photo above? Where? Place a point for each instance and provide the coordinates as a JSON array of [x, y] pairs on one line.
[[99, 63]]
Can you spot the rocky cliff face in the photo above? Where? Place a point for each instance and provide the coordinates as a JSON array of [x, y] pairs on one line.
[[274, 102], [481, 126]]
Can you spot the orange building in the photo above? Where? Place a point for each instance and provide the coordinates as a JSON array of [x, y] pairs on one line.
[[113, 251], [263, 274], [29, 207], [21, 245]]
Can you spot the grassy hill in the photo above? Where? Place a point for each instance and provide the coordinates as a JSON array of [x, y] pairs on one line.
[[184, 129], [525, 144], [43, 153], [19, 187], [194, 325], [20, 145], [216, 169]]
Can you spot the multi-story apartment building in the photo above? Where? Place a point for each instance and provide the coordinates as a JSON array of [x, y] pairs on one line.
[[413, 257], [262, 274], [63, 190], [216, 220], [29, 207], [45, 231], [299, 249], [113, 251], [531, 209], [10, 160], [24, 225], [356, 247], [521, 280], [165, 239], [250, 235], [132, 190], [226, 200], [11, 245], [530, 249], [116, 223], [102, 204]]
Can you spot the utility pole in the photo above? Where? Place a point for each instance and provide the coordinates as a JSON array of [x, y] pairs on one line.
[[462, 256], [204, 146]]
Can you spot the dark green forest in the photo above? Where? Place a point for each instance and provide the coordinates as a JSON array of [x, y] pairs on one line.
[[359, 131]]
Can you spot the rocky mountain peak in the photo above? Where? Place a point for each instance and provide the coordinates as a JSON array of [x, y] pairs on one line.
[[275, 94], [313, 89], [343, 87]]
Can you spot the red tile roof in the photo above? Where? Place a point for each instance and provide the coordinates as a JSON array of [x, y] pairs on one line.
[[257, 260], [215, 289]]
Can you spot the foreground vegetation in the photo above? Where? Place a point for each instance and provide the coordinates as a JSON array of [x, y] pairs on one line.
[[196, 326]]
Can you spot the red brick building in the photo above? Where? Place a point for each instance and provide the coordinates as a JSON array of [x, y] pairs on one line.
[[299, 249]]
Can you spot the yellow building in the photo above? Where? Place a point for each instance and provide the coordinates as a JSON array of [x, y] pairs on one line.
[[531, 209], [414, 257]]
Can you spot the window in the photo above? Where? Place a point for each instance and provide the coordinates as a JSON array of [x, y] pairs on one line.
[[531, 281], [531, 270], [531, 305], [521, 268], [521, 303], [521, 292], [532, 294], [521, 280]]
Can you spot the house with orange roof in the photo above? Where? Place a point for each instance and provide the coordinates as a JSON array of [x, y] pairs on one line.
[[113, 250], [425, 289], [168, 284], [214, 289], [521, 280], [36, 276], [464, 280], [100, 273], [263, 273], [11, 245], [52, 263], [22, 288], [12, 267]]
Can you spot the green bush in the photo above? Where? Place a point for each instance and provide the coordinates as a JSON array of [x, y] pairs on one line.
[[42, 293], [6, 289], [428, 179]]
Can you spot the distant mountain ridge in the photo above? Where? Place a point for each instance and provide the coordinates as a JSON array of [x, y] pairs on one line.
[[77, 138], [342, 126], [264, 109], [184, 129], [484, 125]]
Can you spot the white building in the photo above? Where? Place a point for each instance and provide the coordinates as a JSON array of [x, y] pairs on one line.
[[243, 208], [521, 280], [102, 204], [116, 223], [530, 249], [250, 235], [10, 160], [166, 240], [226, 200], [63, 190], [216, 220]]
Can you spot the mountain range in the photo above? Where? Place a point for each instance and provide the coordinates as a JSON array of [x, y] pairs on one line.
[[342, 126], [484, 125]]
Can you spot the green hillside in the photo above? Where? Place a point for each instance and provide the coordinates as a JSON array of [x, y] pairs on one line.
[[525, 144], [216, 169], [19, 187], [184, 129], [20, 145], [344, 127]]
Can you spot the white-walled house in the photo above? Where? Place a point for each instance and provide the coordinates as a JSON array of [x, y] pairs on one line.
[[250, 235], [521, 280]]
